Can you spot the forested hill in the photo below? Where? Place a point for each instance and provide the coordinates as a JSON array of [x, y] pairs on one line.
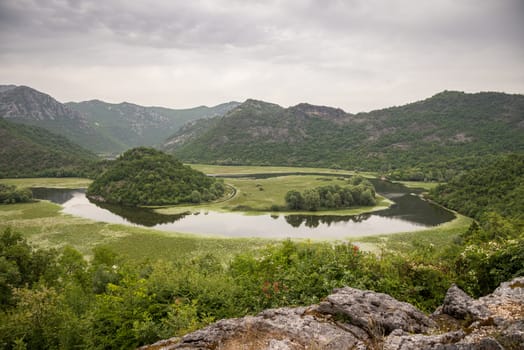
[[22, 104], [497, 186], [145, 176], [133, 125], [450, 130], [27, 151]]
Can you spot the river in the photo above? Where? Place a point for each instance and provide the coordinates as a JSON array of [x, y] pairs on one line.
[[409, 213]]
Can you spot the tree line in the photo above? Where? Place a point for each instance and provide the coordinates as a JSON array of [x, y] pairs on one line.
[[358, 192]]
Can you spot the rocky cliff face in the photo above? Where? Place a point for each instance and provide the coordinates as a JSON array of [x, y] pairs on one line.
[[364, 320]]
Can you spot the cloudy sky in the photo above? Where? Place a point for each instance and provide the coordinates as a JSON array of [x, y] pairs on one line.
[[358, 55]]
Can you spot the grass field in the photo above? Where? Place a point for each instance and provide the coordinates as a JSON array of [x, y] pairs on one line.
[[260, 194], [49, 182], [245, 169], [419, 184], [44, 226]]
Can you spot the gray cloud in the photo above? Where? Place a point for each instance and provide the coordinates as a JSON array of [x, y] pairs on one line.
[[355, 54]]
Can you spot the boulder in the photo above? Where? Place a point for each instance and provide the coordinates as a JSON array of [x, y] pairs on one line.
[[377, 313], [461, 306]]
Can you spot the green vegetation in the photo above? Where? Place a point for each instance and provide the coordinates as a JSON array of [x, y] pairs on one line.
[[360, 193], [434, 139], [67, 282], [28, 151], [494, 245], [116, 302], [144, 176], [497, 186], [9, 194]]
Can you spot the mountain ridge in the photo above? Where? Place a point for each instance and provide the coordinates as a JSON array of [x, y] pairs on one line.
[[442, 128], [97, 125]]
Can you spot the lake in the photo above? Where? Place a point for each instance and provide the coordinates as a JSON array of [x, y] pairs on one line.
[[409, 213]]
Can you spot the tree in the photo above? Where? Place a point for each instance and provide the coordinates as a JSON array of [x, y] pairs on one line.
[[311, 199], [294, 200]]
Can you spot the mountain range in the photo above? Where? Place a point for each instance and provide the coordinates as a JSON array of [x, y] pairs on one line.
[[447, 128], [98, 126], [129, 125], [428, 139]]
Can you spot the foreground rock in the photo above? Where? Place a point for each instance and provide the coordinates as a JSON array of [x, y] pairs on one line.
[[361, 320]]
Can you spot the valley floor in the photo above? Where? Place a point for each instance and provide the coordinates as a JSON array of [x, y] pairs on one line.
[[45, 226]]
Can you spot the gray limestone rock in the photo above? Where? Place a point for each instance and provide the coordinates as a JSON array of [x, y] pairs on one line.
[[461, 306], [377, 313]]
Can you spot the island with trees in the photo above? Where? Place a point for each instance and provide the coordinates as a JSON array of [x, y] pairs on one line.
[[358, 192], [147, 177]]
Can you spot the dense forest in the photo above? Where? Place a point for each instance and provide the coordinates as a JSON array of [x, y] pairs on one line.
[[494, 244], [145, 176], [29, 151], [359, 192], [433, 139]]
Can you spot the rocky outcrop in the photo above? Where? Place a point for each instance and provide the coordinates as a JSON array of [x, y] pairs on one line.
[[364, 320]]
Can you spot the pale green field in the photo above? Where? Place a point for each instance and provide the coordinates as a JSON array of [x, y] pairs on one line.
[[246, 169], [61, 182], [44, 226], [419, 184]]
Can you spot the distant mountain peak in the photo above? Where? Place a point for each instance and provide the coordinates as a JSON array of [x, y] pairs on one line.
[[320, 111], [27, 104]]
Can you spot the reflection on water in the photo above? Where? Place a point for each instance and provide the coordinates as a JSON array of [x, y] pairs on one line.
[[409, 213], [317, 220], [139, 216]]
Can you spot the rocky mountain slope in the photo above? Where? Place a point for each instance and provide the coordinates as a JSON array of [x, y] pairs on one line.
[[355, 319], [131, 125], [444, 128], [32, 151], [28, 106]]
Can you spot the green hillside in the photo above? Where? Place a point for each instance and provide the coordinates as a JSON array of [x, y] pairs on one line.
[[430, 139], [145, 176], [28, 151], [497, 186], [24, 105], [131, 125]]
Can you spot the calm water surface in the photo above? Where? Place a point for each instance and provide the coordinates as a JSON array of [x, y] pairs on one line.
[[409, 213]]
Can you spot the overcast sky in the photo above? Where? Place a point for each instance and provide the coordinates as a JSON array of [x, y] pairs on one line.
[[358, 55]]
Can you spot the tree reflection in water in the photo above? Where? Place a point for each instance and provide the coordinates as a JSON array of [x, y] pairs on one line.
[[142, 216], [313, 221]]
